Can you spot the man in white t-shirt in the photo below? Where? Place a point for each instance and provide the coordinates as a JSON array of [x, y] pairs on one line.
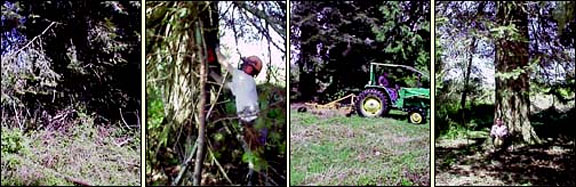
[[243, 87]]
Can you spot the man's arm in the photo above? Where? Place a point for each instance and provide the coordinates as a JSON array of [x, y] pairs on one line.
[[218, 79], [224, 61]]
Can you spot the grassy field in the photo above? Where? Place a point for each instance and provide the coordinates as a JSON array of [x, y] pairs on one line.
[[357, 151], [83, 153]]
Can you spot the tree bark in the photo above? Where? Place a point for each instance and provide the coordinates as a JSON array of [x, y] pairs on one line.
[[512, 93]]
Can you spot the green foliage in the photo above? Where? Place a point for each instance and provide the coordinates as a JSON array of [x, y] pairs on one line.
[[256, 159], [564, 14], [403, 42], [509, 32], [272, 102], [513, 74], [11, 140]]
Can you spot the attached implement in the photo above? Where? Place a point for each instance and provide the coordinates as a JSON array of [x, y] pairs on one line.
[[335, 105]]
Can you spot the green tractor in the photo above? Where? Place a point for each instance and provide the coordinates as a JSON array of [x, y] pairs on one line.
[[378, 98]]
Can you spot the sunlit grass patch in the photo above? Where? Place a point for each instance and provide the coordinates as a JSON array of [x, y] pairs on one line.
[[357, 151]]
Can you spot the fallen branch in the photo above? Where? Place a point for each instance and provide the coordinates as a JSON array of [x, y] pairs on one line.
[[277, 173], [176, 181], [225, 118], [122, 117], [268, 178], [77, 181], [218, 164]]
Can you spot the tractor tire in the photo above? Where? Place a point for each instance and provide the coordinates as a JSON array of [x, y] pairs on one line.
[[417, 116], [372, 103]]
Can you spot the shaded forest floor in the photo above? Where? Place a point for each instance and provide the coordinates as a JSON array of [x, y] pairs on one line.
[[461, 161], [79, 154], [340, 150]]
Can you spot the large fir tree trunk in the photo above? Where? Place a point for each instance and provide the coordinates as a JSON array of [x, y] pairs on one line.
[[512, 89]]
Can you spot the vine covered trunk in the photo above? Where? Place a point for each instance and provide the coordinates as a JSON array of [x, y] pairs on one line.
[[512, 73]]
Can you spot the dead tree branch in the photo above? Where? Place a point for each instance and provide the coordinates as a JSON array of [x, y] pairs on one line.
[[218, 164], [34, 39]]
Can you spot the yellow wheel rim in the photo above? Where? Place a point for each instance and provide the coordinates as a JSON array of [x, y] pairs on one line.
[[371, 106], [416, 118]]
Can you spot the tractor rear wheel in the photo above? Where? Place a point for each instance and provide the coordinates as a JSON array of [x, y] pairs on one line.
[[372, 103]]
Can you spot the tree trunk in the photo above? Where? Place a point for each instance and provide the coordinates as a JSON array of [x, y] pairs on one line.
[[467, 81], [512, 89]]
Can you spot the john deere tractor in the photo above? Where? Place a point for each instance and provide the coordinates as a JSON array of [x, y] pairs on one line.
[[378, 98]]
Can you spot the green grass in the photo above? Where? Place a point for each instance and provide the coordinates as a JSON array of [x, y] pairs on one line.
[[86, 153], [357, 151]]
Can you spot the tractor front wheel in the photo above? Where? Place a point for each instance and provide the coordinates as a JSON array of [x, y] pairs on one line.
[[416, 116], [372, 103]]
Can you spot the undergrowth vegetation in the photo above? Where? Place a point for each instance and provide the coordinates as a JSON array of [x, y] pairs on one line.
[[166, 145], [81, 154]]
